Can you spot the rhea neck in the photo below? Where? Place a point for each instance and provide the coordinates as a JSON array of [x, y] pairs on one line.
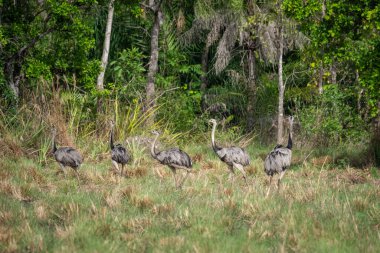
[[290, 141], [213, 137], [153, 148], [54, 144], [111, 138]]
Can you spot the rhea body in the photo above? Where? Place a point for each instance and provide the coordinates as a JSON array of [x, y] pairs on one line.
[[66, 156], [279, 159], [174, 158], [234, 157], [119, 154]]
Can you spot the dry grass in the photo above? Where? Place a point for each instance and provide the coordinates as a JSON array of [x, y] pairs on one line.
[[144, 212]]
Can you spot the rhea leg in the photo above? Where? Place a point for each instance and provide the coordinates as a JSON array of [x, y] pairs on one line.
[[116, 165], [241, 169], [174, 176], [232, 173], [282, 173], [175, 167], [122, 169], [62, 168], [77, 174], [270, 183], [184, 178]]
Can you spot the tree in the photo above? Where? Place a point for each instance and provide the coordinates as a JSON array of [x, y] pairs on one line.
[[29, 26], [348, 33], [281, 85], [106, 46], [155, 8]]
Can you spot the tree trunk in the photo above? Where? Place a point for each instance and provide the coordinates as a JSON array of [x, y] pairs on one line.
[[252, 88], [153, 65], [323, 9], [281, 85], [105, 54], [106, 46], [204, 80]]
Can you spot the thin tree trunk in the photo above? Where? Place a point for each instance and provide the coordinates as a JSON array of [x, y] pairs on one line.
[[281, 85], [321, 70], [323, 9], [360, 93], [153, 64], [106, 46], [105, 54], [252, 88]]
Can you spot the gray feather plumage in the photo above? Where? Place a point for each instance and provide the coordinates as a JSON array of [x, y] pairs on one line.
[[120, 155], [174, 156], [232, 155], [68, 156], [278, 160]]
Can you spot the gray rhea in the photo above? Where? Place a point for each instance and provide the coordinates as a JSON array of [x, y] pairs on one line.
[[279, 159], [119, 154], [174, 158], [66, 156], [234, 157]]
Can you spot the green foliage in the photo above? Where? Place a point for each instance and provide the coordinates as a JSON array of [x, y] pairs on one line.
[[128, 72], [36, 69], [347, 33], [64, 41], [48, 38], [184, 115], [332, 120], [267, 96]]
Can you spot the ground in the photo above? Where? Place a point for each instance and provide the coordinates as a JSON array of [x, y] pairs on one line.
[[320, 207]]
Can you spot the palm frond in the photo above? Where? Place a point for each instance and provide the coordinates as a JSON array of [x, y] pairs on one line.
[[225, 46]]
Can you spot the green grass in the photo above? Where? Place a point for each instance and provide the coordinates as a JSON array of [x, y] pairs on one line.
[[318, 209]]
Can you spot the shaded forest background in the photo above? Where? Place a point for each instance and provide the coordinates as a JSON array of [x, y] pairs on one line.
[[232, 60]]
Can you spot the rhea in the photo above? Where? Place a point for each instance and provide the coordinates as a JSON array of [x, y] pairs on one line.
[[66, 156], [174, 158], [279, 159], [119, 154], [234, 157]]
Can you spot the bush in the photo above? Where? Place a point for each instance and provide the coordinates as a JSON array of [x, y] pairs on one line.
[[332, 119]]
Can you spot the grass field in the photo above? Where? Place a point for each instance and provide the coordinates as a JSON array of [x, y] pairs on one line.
[[320, 208]]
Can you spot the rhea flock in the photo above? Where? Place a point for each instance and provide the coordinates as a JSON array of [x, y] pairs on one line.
[[234, 157], [66, 156], [279, 159], [119, 154], [174, 158]]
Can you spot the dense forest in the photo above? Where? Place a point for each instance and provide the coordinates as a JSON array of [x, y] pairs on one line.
[[247, 63], [72, 66]]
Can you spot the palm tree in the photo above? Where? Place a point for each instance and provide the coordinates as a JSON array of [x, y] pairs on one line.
[[244, 25]]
